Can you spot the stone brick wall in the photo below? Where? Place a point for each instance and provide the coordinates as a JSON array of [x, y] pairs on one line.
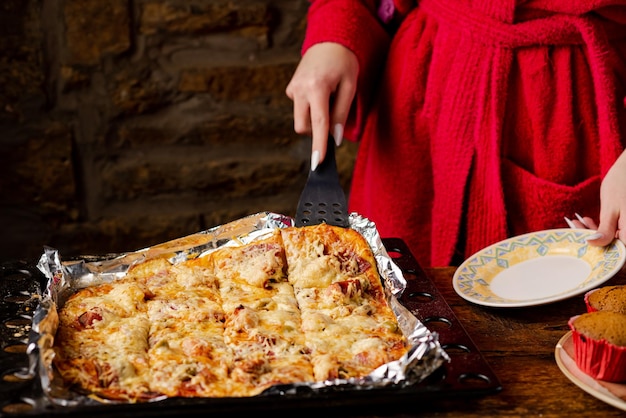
[[125, 123]]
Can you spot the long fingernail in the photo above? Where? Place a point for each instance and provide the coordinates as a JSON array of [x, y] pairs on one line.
[[338, 133], [582, 220], [569, 222], [595, 236], [315, 160]]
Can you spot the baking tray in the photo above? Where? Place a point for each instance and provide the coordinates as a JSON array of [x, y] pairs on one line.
[[467, 373]]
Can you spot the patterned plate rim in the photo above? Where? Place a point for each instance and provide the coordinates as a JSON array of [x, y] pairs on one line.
[[464, 276]]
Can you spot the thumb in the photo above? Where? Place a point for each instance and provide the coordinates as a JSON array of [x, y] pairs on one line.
[[605, 233]]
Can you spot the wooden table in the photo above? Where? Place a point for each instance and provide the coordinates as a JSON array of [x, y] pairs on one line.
[[519, 346]]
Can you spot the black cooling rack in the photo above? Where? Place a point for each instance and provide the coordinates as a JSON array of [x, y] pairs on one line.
[[467, 374]]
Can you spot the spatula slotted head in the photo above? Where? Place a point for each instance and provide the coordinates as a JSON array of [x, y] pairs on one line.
[[323, 199]]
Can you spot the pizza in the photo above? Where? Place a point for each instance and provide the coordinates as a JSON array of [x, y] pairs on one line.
[[301, 305]]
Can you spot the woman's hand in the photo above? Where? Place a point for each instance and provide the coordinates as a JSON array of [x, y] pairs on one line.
[[612, 207], [322, 89]]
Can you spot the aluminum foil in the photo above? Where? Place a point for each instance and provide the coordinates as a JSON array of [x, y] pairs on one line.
[[424, 356]]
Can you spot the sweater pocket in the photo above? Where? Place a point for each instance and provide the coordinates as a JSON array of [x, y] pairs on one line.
[[535, 204]]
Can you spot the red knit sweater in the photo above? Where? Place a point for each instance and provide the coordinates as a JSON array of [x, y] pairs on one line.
[[479, 120]]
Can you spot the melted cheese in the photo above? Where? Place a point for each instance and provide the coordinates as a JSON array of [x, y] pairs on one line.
[[305, 304]]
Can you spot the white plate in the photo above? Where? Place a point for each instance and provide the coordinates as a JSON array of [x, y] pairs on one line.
[[537, 268], [604, 391]]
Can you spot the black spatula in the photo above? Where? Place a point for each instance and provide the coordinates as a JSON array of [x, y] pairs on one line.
[[323, 199]]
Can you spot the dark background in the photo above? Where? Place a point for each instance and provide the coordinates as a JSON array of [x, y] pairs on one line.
[[126, 123]]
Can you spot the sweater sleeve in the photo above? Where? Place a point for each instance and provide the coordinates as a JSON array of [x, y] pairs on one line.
[[355, 25]]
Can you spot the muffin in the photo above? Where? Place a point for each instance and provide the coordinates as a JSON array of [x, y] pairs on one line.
[[599, 340], [607, 298]]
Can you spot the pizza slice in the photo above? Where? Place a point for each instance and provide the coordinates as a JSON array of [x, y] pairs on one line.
[[348, 325], [102, 339], [263, 326], [187, 352]]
